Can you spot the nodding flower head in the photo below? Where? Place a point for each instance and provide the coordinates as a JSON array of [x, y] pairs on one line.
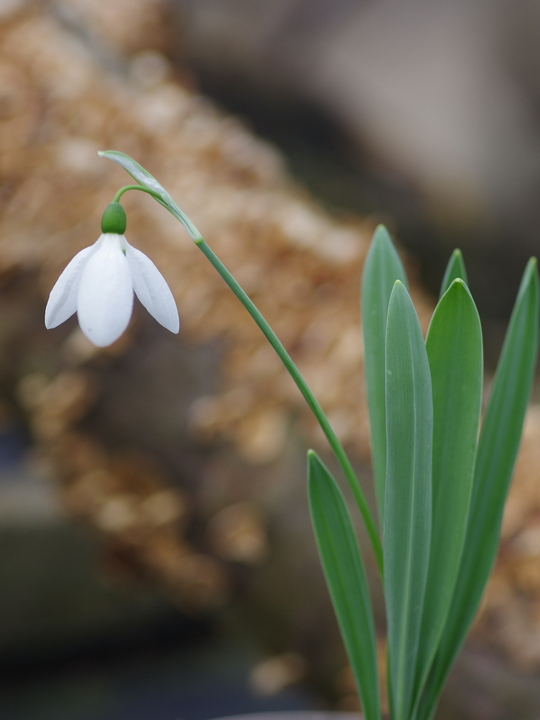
[[100, 282]]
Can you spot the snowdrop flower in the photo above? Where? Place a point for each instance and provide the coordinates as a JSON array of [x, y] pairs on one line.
[[99, 285]]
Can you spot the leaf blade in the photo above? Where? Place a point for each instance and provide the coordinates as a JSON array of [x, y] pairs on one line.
[[381, 269], [407, 514], [454, 349], [346, 580]]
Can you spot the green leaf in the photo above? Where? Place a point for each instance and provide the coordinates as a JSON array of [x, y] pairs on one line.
[[496, 455], [454, 349], [407, 514], [454, 270], [346, 579], [381, 269], [144, 178]]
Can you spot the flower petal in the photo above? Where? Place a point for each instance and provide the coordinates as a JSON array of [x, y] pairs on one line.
[[105, 299], [62, 301], [152, 290]]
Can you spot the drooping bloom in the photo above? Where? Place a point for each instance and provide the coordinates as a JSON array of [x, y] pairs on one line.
[[99, 285]]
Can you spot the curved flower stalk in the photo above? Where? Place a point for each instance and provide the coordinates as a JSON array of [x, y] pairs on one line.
[[148, 184], [100, 282]]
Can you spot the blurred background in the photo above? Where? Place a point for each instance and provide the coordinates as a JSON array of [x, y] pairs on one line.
[[156, 558]]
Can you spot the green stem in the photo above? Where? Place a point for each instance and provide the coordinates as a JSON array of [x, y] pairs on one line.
[[134, 187], [285, 358], [327, 429]]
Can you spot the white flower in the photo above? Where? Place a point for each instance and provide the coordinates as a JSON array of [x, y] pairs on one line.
[[99, 283]]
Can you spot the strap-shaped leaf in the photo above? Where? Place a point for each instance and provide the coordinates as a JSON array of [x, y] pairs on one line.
[[144, 178], [346, 580], [496, 455], [407, 514], [381, 269], [454, 349], [454, 270]]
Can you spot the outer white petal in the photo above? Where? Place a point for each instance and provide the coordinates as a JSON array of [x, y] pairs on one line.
[[105, 299], [152, 290], [62, 301]]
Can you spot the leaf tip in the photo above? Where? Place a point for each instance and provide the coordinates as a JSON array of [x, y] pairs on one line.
[[381, 235], [398, 290], [458, 283], [313, 459], [530, 276]]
